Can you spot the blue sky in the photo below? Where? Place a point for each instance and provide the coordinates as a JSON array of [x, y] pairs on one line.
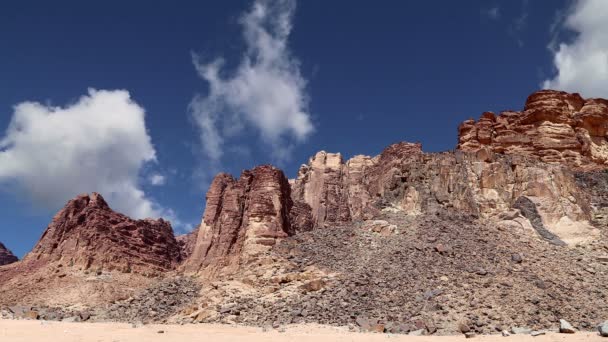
[[340, 76]]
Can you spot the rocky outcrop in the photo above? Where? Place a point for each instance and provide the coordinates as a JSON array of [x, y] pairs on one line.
[[404, 179], [6, 256], [87, 234], [338, 192], [555, 126], [242, 218], [186, 243]]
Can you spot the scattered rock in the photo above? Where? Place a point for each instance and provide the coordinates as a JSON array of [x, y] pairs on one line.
[[603, 329], [516, 258], [418, 332], [521, 331], [565, 327]]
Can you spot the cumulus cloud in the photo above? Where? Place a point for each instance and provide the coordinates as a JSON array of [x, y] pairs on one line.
[[99, 143], [582, 64], [265, 94]]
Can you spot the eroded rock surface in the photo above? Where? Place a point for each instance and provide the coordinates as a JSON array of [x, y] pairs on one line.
[[6, 256], [187, 242], [555, 126], [87, 234], [242, 218], [404, 179]]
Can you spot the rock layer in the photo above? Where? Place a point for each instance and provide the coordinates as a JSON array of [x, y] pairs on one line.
[[555, 126], [6, 256], [242, 218], [87, 234], [403, 178]]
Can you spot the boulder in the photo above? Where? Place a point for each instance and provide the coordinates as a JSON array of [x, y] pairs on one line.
[[565, 327]]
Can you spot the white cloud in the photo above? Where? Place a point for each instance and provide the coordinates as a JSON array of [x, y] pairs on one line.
[[157, 179], [582, 64], [266, 92], [98, 143]]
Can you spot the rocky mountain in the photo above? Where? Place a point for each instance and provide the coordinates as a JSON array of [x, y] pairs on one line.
[[555, 126], [242, 218], [508, 230], [87, 234], [6, 256]]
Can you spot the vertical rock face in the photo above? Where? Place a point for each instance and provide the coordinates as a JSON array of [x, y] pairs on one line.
[[6, 256], [186, 243], [320, 185], [242, 218], [338, 192], [555, 126], [404, 179], [86, 234]]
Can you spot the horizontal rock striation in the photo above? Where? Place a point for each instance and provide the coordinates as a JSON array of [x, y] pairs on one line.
[[6, 256], [242, 218], [87, 234], [555, 126]]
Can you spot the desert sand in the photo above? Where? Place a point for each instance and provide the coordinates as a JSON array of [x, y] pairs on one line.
[[27, 331]]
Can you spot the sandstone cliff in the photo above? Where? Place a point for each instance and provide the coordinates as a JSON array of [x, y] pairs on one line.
[[555, 126], [404, 179], [187, 242], [87, 234], [242, 218], [6, 256]]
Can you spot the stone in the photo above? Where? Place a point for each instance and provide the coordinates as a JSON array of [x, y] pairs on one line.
[[521, 331], [31, 315], [313, 285], [565, 327], [505, 333], [418, 332], [469, 334], [6, 256], [603, 329], [516, 258], [537, 333], [464, 326]]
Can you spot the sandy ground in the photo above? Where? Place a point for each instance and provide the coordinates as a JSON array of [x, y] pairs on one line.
[[29, 331]]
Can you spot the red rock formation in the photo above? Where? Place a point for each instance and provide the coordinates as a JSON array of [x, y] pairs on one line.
[[555, 126], [6, 256], [186, 242], [339, 192], [242, 218], [87, 234]]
